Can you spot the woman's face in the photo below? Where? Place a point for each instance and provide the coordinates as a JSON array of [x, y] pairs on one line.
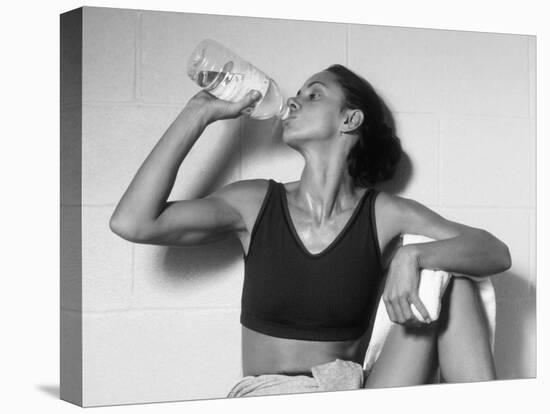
[[315, 111]]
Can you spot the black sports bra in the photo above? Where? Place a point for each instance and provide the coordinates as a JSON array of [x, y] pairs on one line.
[[289, 292]]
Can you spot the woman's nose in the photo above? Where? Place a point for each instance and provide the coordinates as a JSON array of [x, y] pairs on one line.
[[292, 104]]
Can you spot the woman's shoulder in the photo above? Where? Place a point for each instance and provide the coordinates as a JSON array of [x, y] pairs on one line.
[[399, 214], [246, 195], [245, 189], [391, 212], [393, 203]]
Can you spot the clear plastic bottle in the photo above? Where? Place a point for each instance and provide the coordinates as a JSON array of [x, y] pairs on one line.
[[225, 75]]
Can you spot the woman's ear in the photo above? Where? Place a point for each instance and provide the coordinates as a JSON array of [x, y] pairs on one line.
[[353, 121]]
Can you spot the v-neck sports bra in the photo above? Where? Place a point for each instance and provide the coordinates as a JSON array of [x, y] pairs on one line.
[[289, 292]]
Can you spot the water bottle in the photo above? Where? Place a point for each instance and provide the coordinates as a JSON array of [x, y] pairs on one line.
[[225, 75]]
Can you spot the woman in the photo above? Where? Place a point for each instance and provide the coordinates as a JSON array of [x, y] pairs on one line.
[[312, 286]]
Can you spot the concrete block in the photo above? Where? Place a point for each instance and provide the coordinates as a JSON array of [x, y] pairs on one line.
[[272, 45], [118, 138], [484, 73], [109, 49], [486, 162], [419, 135], [71, 155], [532, 59], [71, 258], [106, 263], [265, 155], [71, 356], [516, 339], [400, 63], [512, 227], [445, 71], [533, 249], [153, 356], [213, 162], [71, 58]]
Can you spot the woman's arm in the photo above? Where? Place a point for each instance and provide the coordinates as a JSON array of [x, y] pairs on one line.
[[145, 197], [458, 249], [474, 253], [136, 217]]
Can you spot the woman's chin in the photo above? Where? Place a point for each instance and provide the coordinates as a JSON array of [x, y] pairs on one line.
[[286, 136], [289, 138]]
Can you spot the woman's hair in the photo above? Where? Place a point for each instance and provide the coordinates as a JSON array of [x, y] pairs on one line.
[[375, 156]]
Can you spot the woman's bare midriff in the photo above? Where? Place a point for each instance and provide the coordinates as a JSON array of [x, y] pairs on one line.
[[264, 354]]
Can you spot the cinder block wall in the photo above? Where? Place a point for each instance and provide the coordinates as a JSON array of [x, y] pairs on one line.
[[162, 324]]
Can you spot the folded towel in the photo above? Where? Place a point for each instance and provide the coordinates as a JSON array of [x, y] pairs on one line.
[[432, 283], [431, 289], [337, 375]]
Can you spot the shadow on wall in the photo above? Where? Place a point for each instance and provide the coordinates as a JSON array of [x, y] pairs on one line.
[[401, 178], [200, 266], [404, 172], [515, 336]]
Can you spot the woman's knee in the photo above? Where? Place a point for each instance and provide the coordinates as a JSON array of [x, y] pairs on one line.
[[464, 343], [461, 293]]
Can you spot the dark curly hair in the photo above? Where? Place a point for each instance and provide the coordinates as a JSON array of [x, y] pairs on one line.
[[375, 156]]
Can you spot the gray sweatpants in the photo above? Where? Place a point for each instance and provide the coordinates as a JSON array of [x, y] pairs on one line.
[[337, 375]]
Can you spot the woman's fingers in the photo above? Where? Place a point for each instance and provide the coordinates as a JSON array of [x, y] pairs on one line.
[[246, 105], [408, 316], [218, 109], [419, 305], [397, 312], [399, 309], [390, 309]]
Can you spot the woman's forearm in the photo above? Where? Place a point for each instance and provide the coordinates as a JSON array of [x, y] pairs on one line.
[[473, 253], [145, 197]]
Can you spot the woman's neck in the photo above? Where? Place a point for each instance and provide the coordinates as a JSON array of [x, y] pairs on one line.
[[325, 190]]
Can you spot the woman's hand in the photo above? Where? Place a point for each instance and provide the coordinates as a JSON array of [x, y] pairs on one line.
[[214, 109], [401, 289]]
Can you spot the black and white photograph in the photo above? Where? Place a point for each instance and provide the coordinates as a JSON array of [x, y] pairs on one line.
[[255, 206]]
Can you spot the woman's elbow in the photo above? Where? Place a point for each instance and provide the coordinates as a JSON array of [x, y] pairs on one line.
[[503, 258], [506, 257], [123, 230]]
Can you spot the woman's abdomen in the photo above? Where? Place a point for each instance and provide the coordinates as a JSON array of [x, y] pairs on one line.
[[264, 354]]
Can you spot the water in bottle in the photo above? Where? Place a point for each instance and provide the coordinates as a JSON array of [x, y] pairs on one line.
[[225, 75]]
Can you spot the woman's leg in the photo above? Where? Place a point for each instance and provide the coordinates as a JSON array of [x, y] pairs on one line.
[[408, 357], [463, 340], [458, 342]]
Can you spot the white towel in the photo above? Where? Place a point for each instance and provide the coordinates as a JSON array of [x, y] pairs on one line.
[[337, 375], [430, 290], [432, 283]]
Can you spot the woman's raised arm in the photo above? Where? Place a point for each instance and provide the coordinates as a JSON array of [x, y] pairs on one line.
[[136, 217]]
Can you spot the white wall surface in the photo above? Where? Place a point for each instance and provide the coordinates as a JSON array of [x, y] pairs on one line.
[[161, 324]]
